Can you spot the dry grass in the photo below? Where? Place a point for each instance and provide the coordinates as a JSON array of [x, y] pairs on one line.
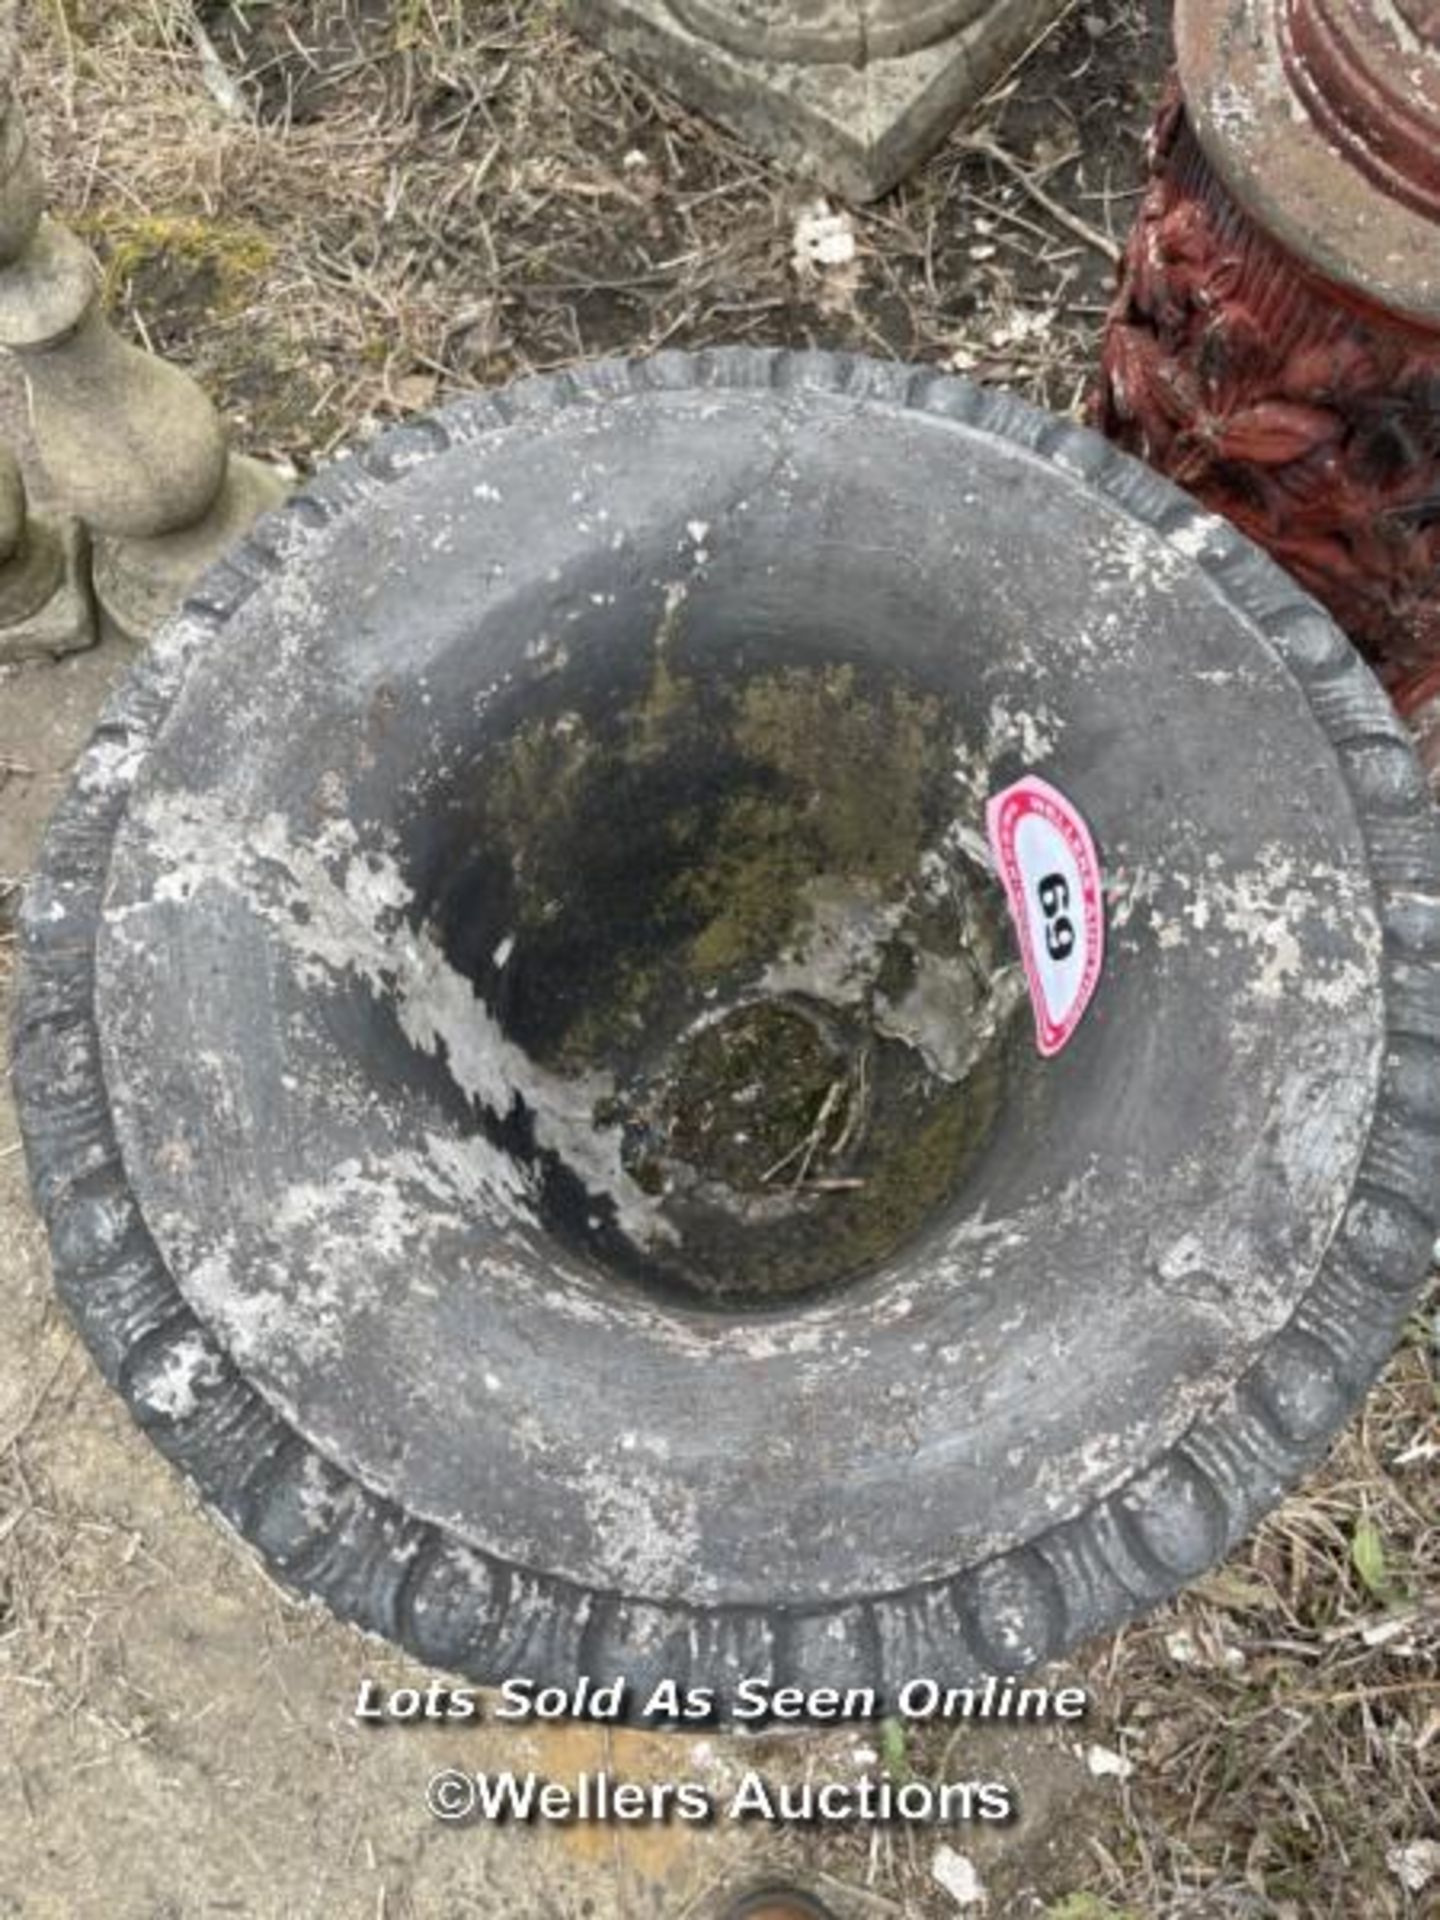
[[1285, 1714], [339, 210], [1281, 1719], [63, 1598], [458, 191]]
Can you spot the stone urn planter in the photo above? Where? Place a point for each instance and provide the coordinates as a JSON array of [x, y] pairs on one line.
[[524, 1064]]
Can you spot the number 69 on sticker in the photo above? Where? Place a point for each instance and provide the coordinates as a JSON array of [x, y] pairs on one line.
[[1048, 865]]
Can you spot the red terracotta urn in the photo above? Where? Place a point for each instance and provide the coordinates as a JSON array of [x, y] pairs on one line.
[[1275, 342]]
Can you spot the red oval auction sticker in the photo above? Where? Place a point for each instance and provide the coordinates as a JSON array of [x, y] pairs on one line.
[[1051, 875]]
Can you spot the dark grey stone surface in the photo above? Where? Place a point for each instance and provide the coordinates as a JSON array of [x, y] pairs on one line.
[[1165, 1286]]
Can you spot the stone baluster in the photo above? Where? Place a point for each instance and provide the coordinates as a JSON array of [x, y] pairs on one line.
[[127, 442], [45, 601]]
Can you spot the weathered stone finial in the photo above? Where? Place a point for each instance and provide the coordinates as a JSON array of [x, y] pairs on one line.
[[128, 442]]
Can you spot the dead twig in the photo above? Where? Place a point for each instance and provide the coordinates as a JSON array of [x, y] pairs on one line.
[[1072, 222]]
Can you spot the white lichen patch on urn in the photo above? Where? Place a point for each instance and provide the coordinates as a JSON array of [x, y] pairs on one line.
[[647, 1528], [948, 1014], [1305, 926], [845, 925], [341, 910], [187, 1368]]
